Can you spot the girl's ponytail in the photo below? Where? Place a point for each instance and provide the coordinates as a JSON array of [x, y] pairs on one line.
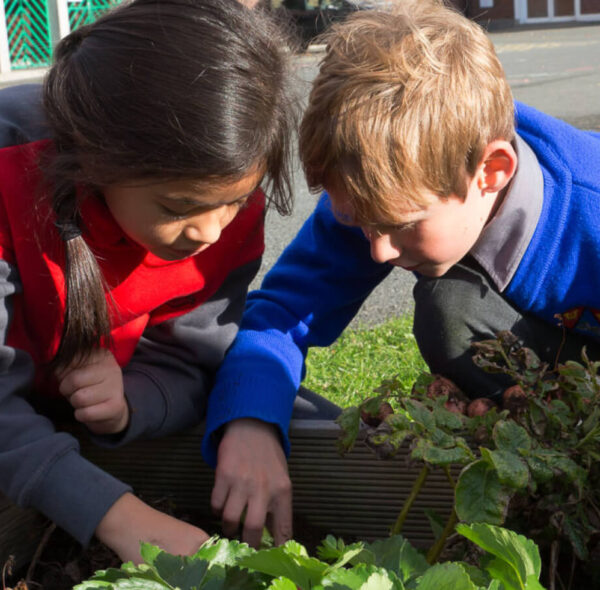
[[86, 320]]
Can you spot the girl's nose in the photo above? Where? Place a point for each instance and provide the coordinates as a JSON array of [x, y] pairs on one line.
[[205, 228], [382, 249]]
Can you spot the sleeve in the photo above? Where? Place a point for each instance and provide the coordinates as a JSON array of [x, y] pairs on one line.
[[169, 377], [40, 467], [21, 115], [307, 299]]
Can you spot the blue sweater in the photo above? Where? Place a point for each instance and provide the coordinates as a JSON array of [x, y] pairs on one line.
[[322, 278]]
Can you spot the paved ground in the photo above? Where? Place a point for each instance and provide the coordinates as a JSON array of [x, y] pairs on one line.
[[555, 69]]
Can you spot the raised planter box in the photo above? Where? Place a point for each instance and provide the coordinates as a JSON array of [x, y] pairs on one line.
[[355, 496]]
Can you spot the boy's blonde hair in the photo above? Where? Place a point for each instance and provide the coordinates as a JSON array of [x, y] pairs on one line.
[[406, 101]]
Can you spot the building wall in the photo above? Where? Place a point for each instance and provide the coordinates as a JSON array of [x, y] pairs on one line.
[[486, 9]]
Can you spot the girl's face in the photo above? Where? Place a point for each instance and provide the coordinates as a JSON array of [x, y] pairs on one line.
[[177, 219]]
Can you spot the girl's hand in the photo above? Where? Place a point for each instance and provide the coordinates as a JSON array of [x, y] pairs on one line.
[[130, 521], [95, 390], [252, 474]]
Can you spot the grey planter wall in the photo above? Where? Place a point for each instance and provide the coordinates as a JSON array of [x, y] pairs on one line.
[[355, 496]]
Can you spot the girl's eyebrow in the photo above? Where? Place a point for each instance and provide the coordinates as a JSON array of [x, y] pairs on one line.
[[191, 202]]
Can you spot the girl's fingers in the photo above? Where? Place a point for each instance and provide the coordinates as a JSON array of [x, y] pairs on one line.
[[81, 378], [98, 413], [89, 396]]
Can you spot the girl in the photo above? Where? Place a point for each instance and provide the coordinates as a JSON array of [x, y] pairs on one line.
[[127, 241]]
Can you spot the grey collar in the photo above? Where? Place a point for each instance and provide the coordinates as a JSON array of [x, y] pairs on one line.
[[505, 238]]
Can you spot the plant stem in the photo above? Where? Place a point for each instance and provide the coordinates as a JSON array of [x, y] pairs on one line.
[[414, 492], [434, 553], [449, 477], [42, 544], [553, 564], [7, 569]]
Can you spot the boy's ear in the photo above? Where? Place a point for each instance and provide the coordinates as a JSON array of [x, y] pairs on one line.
[[498, 166]]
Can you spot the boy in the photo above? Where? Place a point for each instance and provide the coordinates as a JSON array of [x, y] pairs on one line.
[[410, 130]]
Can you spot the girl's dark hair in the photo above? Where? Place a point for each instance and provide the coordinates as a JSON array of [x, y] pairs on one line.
[[161, 89]]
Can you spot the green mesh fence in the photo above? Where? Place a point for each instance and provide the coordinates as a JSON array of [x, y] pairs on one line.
[[82, 12], [28, 27], [28, 30]]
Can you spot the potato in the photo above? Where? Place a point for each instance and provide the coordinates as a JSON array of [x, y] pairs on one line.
[[385, 409], [480, 406], [514, 399]]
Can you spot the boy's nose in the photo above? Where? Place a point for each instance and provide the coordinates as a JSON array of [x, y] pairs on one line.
[[382, 249]]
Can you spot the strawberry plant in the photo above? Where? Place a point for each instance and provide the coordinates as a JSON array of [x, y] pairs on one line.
[[509, 561], [531, 464]]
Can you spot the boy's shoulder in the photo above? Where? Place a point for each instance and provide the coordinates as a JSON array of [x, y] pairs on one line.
[[557, 144]]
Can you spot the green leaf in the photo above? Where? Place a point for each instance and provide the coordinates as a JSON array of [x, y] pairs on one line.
[[93, 585], [420, 414], [441, 438], [436, 522], [282, 584], [480, 496], [446, 576], [223, 551], [560, 462], [517, 558], [395, 554], [438, 456], [509, 436], [506, 574], [478, 576], [540, 471], [349, 421], [574, 531], [348, 579], [511, 469], [289, 561], [137, 583], [533, 583], [447, 419], [380, 581], [149, 552], [332, 549], [180, 572]]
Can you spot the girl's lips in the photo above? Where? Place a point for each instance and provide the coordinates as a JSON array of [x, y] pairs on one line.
[[187, 253]]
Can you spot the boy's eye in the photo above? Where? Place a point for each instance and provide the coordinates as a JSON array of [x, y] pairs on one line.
[[404, 226]]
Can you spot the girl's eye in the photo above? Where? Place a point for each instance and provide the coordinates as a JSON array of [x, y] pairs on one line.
[[172, 214]]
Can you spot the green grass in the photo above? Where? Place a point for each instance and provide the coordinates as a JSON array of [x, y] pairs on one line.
[[350, 369]]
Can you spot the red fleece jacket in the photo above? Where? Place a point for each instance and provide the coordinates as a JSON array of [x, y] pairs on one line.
[[145, 289]]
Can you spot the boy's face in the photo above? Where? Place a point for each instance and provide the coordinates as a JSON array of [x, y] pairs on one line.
[[429, 240]]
